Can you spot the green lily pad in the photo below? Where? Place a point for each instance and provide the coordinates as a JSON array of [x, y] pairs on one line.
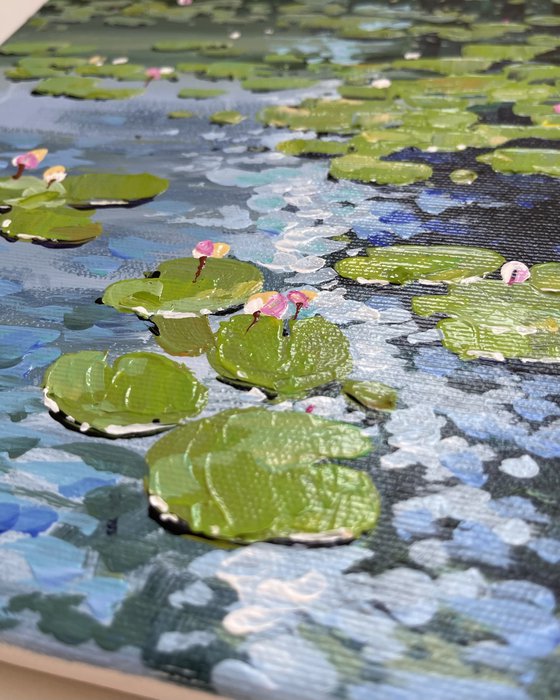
[[463, 177], [234, 70], [191, 67], [270, 84], [315, 353], [36, 67], [372, 395], [82, 89], [181, 114], [448, 66], [200, 93], [58, 227], [141, 394], [126, 71], [370, 169], [312, 147], [227, 117], [183, 336], [529, 161], [25, 48], [534, 72], [195, 45], [546, 277], [252, 475], [362, 92], [401, 264], [223, 284], [490, 319], [286, 60], [449, 119], [111, 189], [502, 52], [27, 192]]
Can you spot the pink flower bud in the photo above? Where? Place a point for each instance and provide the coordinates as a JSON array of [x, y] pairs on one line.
[[514, 272], [556, 108], [300, 298], [203, 249], [153, 73]]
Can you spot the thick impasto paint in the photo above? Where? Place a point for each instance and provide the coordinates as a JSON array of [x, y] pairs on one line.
[[279, 362]]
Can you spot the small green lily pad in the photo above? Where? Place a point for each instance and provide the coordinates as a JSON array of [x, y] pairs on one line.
[[502, 52], [26, 48], [223, 284], [448, 66], [227, 117], [316, 352], [140, 394], [181, 114], [270, 83], [401, 264], [463, 176], [372, 395], [200, 93], [529, 161], [312, 147], [63, 228], [82, 89], [252, 475], [493, 320], [546, 277], [369, 169], [183, 336]]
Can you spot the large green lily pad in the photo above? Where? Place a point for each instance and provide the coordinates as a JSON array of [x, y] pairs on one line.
[[497, 321], [529, 161], [227, 117], [370, 169], [447, 66], [503, 52], [315, 352], [223, 284], [252, 475], [546, 277], [111, 189], [82, 89], [140, 394], [62, 228], [272, 83], [434, 264], [312, 147]]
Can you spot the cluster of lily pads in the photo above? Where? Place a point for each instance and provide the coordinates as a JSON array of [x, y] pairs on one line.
[[517, 317], [241, 475], [56, 210]]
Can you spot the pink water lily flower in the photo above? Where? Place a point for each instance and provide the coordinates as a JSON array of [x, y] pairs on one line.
[[208, 249], [155, 73], [301, 299], [556, 108], [514, 272], [28, 161], [184, 3], [266, 304]]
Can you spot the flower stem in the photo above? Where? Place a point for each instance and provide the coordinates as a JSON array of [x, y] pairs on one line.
[[201, 263], [19, 173], [256, 316]]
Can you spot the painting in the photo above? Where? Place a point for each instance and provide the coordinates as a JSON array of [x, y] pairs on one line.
[[280, 345]]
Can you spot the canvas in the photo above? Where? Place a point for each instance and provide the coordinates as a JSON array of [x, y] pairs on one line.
[[280, 306]]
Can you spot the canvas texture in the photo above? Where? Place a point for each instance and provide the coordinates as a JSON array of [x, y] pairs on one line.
[[279, 345]]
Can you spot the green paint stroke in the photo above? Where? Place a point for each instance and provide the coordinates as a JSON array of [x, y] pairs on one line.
[[369, 169], [251, 475], [546, 277], [227, 117], [490, 319], [402, 264], [529, 161], [111, 189], [62, 228], [371, 395], [200, 93], [82, 89], [172, 292], [183, 336], [315, 353], [141, 394]]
